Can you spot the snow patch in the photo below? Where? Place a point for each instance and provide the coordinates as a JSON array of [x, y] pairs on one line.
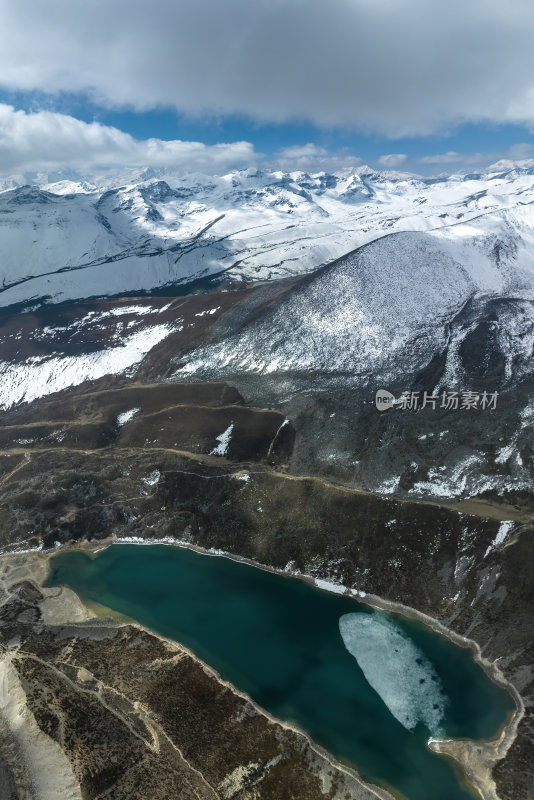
[[504, 529], [37, 377], [207, 311], [504, 453], [153, 478], [390, 485], [126, 416], [120, 310], [283, 425], [242, 476], [329, 586], [224, 441]]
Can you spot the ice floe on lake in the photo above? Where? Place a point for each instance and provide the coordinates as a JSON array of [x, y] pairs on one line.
[[396, 669]]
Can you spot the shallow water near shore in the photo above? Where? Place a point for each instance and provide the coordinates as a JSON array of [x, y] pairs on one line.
[[369, 686]]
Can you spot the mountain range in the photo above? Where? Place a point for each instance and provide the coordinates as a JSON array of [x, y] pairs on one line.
[[146, 229]]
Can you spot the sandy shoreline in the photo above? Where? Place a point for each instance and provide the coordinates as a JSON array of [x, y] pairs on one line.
[[475, 758]]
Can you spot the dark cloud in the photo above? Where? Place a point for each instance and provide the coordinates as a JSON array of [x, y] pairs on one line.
[[396, 67]]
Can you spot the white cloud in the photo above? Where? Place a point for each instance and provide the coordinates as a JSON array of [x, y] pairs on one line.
[[392, 160], [455, 158], [517, 152], [520, 151], [312, 158], [397, 67], [302, 151], [47, 140]]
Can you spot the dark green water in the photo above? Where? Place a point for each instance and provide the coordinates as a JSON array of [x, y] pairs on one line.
[[279, 640]]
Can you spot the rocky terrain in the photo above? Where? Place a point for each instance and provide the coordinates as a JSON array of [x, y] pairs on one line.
[[121, 459], [318, 347]]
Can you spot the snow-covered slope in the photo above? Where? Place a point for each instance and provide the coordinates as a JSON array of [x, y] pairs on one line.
[[450, 310], [41, 356], [81, 237], [392, 299]]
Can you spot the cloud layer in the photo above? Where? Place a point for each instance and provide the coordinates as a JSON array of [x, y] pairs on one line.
[[395, 67], [392, 160], [49, 140], [312, 158]]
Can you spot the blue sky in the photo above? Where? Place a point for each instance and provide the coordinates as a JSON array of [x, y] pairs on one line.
[[270, 138], [479, 144], [416, 85]]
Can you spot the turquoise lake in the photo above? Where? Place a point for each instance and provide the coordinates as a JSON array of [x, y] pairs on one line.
[[369, 686]]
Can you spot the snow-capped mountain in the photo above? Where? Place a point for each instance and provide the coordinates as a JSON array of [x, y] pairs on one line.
[[395, 297], [82, 237]]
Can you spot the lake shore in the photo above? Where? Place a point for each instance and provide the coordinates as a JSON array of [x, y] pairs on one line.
[[64, 607], [476, 758]]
